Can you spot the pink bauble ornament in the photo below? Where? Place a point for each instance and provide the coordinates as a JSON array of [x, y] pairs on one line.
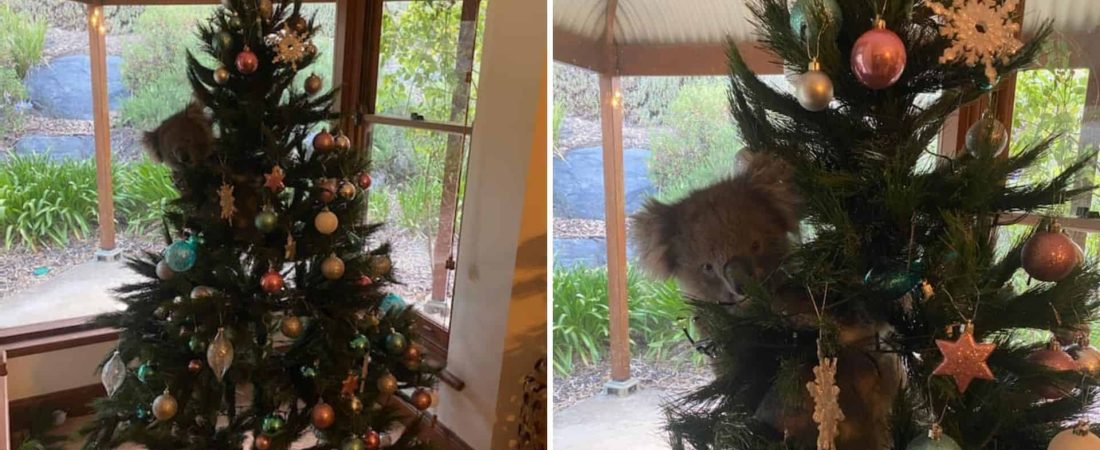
[[878, 57], [1057, 360]]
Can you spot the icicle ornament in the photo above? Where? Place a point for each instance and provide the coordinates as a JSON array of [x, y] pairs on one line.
[[220, 354], [114, 374]]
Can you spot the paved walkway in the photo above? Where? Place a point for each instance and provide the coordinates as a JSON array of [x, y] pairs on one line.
[[613, 423], [83, 290]]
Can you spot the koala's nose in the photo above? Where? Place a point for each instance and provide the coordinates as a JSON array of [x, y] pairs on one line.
[[731, 272]]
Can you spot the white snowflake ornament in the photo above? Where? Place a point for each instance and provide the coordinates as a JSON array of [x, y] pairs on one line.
[[826, 395], [981, 31]]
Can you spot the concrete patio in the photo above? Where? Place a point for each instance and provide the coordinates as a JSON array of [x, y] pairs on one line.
[[83, 290], [605, 422]]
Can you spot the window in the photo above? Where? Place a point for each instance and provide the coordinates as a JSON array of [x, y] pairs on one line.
[[427, 79]]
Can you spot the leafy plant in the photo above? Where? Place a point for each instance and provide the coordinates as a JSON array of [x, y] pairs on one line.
[[559, 114], [144, 190], [42, 201], [23, 39], [11, 93]]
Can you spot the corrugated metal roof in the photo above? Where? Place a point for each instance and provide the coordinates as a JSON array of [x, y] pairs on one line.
[[713, 21]]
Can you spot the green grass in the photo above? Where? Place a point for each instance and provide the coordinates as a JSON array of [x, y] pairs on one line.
[[658, 317], [22, 40], [44, 202]]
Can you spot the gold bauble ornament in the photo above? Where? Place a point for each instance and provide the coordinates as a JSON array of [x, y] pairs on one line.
[[1076, 438], [291, 326], [347, 191], [313, 84], [266, 9], [387, 384], [165, 406], [380, 266], [332, 267], [323, 142], [421, 399], [814, 89], [1088, 360], [322, 416], [326, 222], [343, 142], [221, 75], [355, 404]]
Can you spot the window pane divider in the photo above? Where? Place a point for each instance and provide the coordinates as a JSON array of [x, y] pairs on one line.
[[1082, 224], [445, 127]]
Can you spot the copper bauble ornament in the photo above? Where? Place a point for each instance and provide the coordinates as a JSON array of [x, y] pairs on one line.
[[195, 366], [263, 442], [347, 191], [412, 352], [332, 267], [291, 326], [313, 84], [247, 62], [380, 265], [271, 282], [343, 142], [878, 57], [323, 142], [372, 440], [1056, 360], [221, 75], [421, 399], [814, 89], [165, 406], [322, 416], [387, 384], [164, 272], [326, 222], [1049, 255], [266, 9], [363, 180]]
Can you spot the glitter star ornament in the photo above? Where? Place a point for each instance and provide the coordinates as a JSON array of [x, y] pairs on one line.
[[981, 31], [827, 413], [290, 47], [274, 180], [225, 199], [965, 359]]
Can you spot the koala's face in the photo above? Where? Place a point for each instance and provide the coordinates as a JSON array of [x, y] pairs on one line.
[[716, 238]]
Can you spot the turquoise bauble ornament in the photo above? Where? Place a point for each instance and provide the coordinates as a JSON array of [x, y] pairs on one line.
[[895, 283], [396, 342], [392, 303], [273, 424], [181, 255], [142, 412], [145, 372], [359, 343], [805, 23], [196, 345]]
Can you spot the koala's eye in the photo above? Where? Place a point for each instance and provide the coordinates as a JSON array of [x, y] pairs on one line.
[[755, 247], [708, 268]]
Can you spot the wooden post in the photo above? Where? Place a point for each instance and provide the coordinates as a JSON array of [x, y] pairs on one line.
[[611, 121], [97, 31], [5, 419]]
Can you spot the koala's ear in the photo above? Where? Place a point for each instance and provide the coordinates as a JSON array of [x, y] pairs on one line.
[[152, 145], [772, 177], [654, 228]]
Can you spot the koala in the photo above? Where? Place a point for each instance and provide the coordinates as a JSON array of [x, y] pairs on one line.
[[739, 227], [183, 140], [742, 228]]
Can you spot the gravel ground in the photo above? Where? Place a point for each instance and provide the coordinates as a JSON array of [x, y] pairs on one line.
[[578, 133], [61, 42], [17, 265], [586, 382]]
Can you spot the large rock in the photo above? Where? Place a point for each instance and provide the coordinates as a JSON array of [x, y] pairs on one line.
[[56, 147], [578, 183], [583, 252], [63, 88]]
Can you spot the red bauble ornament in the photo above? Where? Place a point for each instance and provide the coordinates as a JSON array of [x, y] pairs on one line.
[[263, 442], [1050, 255], [1059, 361], [195, 366], [421, 399], [247, 62], [372, 440], [878, 57], [364, 181], [365, 281], [322, 416], [271, 282], [324, 142]]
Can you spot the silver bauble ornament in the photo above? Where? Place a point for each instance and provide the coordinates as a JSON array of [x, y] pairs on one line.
[[200, 292], [114, 374], [219, 356], [815, 89], [934, 440], [165, 406], [987, 137]]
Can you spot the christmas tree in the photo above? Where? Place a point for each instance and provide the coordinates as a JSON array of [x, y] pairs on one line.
[[266, 319], [894, 323]]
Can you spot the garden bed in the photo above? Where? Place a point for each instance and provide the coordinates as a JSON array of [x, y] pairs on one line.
[[589, 381]]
